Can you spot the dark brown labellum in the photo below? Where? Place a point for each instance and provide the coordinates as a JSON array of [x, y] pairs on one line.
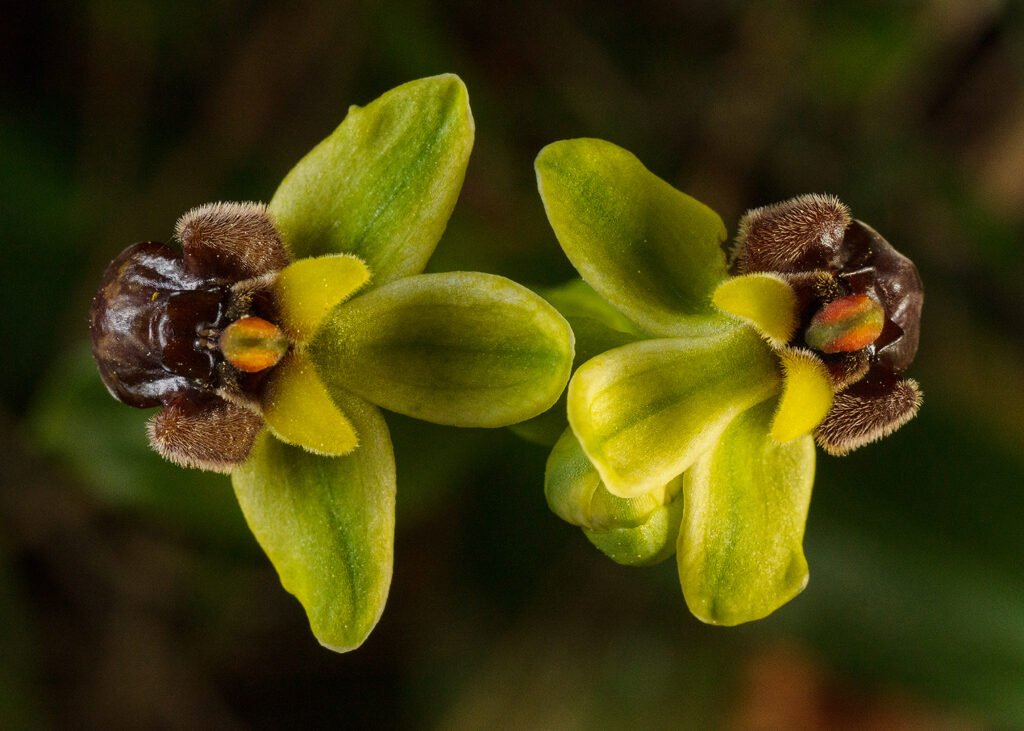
[[825, 255], [145, 321], [203, 432], [898, 286], [157, 324], [834, 262], [870, 409], [798, 235]]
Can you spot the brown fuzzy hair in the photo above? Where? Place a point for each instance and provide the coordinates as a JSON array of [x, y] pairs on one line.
[[214, 435], [802, 233], [861, 415], [230, 241]]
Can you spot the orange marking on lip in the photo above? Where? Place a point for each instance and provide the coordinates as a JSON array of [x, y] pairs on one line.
[[846, 324], [855, 339], [253, 344], [843, 308]]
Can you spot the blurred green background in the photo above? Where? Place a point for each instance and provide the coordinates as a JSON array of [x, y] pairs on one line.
[[131, 593]]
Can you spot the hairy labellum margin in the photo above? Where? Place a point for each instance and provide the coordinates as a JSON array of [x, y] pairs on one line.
[[843, 273], [158, 325]]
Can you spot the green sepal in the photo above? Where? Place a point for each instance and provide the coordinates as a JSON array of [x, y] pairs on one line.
[[644, 545], [575, 493], [639, 531], [384, 183], [651, 251], [598, 327], [644, 412], [577, 299], [327, 524], [459, 348], [740, 550]]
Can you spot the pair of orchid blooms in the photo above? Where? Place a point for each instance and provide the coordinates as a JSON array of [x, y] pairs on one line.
[[701, 373]]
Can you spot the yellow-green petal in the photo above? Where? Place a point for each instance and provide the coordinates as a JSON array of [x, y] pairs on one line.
[[307, 289], [577, 299], [575, 493], [384, 183], [460, 348], [327, 524], [651, 251], [298, 410], [764, 300], [638, 531], [745, 501], [806, 395], [644, 545], [644, 412], [598, 327]]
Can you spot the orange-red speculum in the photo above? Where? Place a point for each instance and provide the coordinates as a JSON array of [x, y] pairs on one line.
[[846, 324], [253, 344]]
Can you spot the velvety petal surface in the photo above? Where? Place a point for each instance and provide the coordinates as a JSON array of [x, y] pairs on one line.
[[745, 502], [459, 348], [651, 251], [383, 185], [644, 412], [306, 290], [298, 410], [764, 300], [327, 524], [806, 395]]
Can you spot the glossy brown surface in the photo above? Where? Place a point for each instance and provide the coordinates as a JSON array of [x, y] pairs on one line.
[[898, 286], [826, 255], [159, 313], [146, 323]]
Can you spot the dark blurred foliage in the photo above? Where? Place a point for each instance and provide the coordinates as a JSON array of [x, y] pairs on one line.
[[132, 595]]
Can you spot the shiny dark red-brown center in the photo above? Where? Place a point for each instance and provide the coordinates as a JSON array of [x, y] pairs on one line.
[[154, 326]]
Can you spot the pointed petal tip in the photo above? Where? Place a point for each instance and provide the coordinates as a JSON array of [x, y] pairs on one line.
[[385, 182]]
